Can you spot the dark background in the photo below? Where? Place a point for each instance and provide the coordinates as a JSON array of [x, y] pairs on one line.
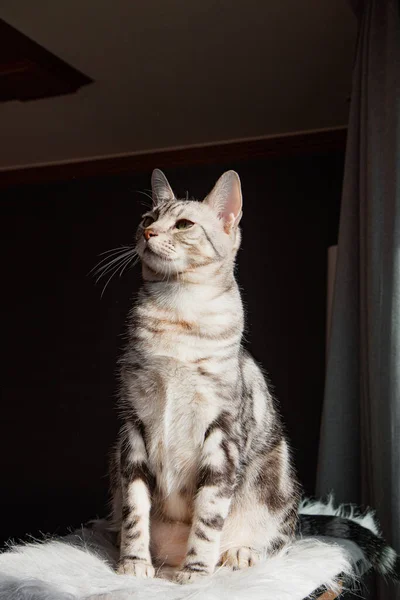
[[61, 340]]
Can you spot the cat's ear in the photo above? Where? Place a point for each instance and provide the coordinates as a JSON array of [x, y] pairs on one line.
[[161, 190], [226, 199]]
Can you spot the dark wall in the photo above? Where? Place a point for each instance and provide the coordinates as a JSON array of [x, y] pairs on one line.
[[60, 339]]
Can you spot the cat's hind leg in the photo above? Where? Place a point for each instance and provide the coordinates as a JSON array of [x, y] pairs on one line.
[[263, 516], [253, 532]]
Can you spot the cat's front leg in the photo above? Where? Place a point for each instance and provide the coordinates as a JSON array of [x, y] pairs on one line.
[[216, 480], [136, 484]]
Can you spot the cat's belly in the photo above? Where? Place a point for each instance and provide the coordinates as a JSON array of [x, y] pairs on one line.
[[168, 542]]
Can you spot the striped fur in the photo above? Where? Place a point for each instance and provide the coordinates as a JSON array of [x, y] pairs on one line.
[[347, 522], [202, 472]]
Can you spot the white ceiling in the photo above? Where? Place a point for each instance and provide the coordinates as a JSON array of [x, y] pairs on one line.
[[180, 72]]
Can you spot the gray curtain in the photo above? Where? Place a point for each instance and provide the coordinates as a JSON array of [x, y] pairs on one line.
[[360, 435]]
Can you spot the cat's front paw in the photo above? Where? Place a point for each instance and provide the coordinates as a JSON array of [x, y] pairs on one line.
[[187, 575], [137, 568], [240, 558]]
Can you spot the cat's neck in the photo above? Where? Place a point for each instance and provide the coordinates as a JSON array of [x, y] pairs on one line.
[[215, 273], [206, 280], [194, 293]]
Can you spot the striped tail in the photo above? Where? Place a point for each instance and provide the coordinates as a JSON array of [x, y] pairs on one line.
[[381, 556]]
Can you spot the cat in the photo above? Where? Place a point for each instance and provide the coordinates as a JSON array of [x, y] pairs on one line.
[[202, 473]]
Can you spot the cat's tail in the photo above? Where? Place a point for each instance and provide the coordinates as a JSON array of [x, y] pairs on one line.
[[358, 528]]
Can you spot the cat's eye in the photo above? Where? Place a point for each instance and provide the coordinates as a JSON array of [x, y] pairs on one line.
[[183, 224], [147, 221]]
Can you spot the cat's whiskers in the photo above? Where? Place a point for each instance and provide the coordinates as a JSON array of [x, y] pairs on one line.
[[116, 261], [117, 248], [111, 268], [122, 265], [115, 253], [110, 253], [146, 204], [99, 273], [108, 281], [102, 270], [150, 195], [128, 263]]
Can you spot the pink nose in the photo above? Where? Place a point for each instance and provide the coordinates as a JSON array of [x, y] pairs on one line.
[[148, 233]]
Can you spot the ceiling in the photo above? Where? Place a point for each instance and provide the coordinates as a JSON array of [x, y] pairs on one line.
[[176, 73]]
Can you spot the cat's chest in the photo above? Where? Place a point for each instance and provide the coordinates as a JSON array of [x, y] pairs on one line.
[[192, 330], [175, 423]]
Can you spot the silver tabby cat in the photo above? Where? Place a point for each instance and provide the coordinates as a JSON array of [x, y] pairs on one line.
[[202, 474]]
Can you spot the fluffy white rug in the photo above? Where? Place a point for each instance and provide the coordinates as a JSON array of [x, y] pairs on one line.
[[80, 567]]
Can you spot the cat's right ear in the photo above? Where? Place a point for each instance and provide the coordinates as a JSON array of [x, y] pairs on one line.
[[161, 190]]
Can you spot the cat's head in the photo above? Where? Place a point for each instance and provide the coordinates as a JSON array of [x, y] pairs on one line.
[[185, 236]]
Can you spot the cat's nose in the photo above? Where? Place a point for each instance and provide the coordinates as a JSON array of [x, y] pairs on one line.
[[148, 233]]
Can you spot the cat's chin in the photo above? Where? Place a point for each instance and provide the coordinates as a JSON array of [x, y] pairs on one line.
[[162, 266], [154, 259]]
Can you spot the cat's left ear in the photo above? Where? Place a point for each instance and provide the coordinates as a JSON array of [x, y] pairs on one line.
[[161, 190], [226, 199]]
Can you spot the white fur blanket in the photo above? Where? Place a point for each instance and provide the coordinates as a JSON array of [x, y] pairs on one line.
[[80, 567]]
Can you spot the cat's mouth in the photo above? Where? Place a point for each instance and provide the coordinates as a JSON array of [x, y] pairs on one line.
[[152, 252]]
